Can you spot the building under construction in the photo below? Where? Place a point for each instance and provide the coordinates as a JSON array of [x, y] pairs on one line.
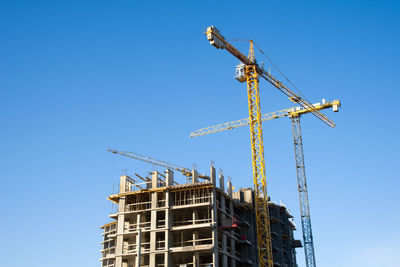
[[198, 223]]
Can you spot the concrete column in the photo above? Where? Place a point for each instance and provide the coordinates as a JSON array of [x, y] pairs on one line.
[[152, 249], [214, 212], [224, 237], [196, 261], [138, 218], [120, 227], [248, 196], [168, 225], [118, 261], [195, 237], [230, 190], [167, 260], [153, 219], [169, 177], [221, 183], [232, 232], [223, 206], [122, 184], [194, 216], [138, 248], [153, 240], [224, 249], [154, 179], [168, 217], [213, 176], [195, 176]]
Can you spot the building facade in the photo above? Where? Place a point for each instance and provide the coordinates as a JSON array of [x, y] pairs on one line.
[[199, 223]]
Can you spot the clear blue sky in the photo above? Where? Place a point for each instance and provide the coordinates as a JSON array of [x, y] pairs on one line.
[[80, 76]]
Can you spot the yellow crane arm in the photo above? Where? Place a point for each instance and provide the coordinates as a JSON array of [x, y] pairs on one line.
[[290, 112], [218, 41], [295, 98]]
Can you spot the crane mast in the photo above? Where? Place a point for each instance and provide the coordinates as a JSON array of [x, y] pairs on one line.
[[263, 229], [303, 193], [258, 162], [302, 182]]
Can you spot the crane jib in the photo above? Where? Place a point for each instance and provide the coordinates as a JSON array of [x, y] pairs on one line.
[[217, 40]]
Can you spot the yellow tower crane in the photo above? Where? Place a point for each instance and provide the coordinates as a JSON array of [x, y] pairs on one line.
[[293, 113], [249, 71]]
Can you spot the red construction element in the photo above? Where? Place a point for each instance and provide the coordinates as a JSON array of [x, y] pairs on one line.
[[229, 223]]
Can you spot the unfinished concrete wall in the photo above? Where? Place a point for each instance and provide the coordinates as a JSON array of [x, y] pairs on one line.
[[159, 223]]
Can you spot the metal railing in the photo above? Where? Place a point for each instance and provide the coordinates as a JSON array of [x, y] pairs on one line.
[[132, 248], [161, 223], [145, 247], [195, 242], [191, 222], [144, 205], [134, 226], [143, 226], [138, 206], [190, 201]]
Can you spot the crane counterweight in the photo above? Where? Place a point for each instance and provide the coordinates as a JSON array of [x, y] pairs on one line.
[[215, 38]]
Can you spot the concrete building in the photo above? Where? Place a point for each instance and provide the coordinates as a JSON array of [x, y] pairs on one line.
[[199, 223]]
